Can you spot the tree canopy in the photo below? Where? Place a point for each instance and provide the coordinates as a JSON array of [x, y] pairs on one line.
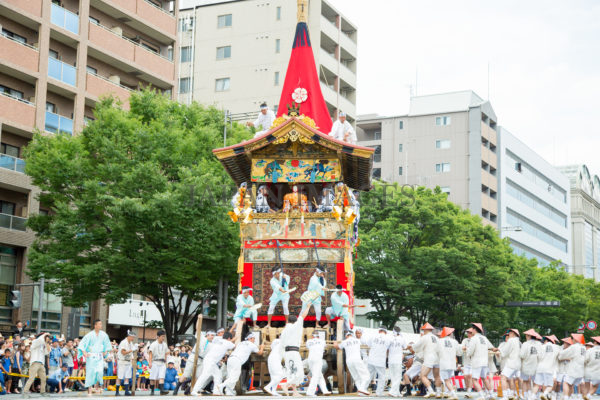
[[424, 258], [137, 206]]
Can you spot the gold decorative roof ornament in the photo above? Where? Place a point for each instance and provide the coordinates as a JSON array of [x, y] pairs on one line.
[[302, 10], [284, 117]]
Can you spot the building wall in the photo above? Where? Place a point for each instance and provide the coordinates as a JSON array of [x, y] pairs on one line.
[[255, 61], [25, 67], [534, 196], [422, 146]]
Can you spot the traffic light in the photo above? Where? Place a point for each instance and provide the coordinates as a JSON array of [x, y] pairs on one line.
[[15, 298]]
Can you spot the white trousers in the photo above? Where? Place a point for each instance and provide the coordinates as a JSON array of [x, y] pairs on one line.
[[316, 307], [360, 374], [158, 371], [396, 375], [378, 372], [252, 314], [276, 372], [316, 379], [294, 367], [284, 304], [234, 370], [124, 371], [189, 368], [210, 369]]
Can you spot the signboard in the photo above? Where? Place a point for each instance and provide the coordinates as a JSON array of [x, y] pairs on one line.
[[592, 325], [543, 303], [131, 313]]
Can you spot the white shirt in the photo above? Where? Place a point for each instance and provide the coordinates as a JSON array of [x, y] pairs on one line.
[[396, 350], [127, 346], [531, 351], [243, 350], [316, 347], [338, 130], [466, 359], [292, 334], [428, 344], [548, 360], [576, 356], [478, 350], [38, 350], [218, 349], [448, 349], [159, 351], [352, 348], [592, 363], [263, 122], [510, 354], [378, 347]]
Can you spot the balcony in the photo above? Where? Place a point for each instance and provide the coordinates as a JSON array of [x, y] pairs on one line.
[[61, 71], [17, 111], [149, 18], [19, 54], [65, 19], [156, 16], [58, 124], [13, 223], [130, 52], [329, 29], [12, 163], [33, 7], [98, 86]]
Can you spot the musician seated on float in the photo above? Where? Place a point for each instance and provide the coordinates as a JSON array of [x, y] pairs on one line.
[[262, 200], [295, 201], [327, 200]]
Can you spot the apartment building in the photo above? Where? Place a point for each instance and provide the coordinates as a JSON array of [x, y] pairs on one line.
[[534, 203], [57, 58], [234, 54], [585, 220], [447, 140]]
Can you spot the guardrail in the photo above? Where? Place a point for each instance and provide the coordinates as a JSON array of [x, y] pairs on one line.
[[12, 163], [62, 71], [58, 124], [65, 19], [13, 222]]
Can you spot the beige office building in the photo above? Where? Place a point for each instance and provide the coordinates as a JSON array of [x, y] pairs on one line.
[[447, 140], [585, 220], [234, 54], [57, 58]]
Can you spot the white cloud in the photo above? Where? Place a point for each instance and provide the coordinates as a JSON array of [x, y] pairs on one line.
[[544, 59]]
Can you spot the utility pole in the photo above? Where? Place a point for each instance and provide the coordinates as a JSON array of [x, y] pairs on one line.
[[40, 285]]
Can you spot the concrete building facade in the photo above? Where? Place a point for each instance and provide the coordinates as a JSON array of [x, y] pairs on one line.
[[534, 203], [57, 58], [234, 54], [447, 140], [585, 220]]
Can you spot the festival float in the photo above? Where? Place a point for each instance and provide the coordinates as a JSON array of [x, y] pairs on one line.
[[308, 184]]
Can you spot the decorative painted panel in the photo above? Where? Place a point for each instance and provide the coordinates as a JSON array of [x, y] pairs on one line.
[[295, 170]]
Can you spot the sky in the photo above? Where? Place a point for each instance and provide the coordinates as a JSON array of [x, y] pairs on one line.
[[543, 59]]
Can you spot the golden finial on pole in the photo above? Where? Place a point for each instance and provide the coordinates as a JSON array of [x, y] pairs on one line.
[[302, 10]]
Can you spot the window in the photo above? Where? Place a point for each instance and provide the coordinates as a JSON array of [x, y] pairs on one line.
[[442, 144], [278, 13], [400, 148], [400, 171], [6, 207], [10, 150], [441, 121], [51, 107], [51, 313], [277, 45], [276, 78], [518, 167], [377, 153], [184, 85], [87, 120], [445, 189], [17, 94], [185, 24], [8, 269], [186, 54], [94, 20], [223, 52], [442, 167], [13, 36], [376, 173], [223, 21], [53, 54], [91, 70], [222, 85], [149, 48]]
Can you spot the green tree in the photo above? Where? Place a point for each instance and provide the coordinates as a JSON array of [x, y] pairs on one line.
[[424, 258], [138, 205]]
